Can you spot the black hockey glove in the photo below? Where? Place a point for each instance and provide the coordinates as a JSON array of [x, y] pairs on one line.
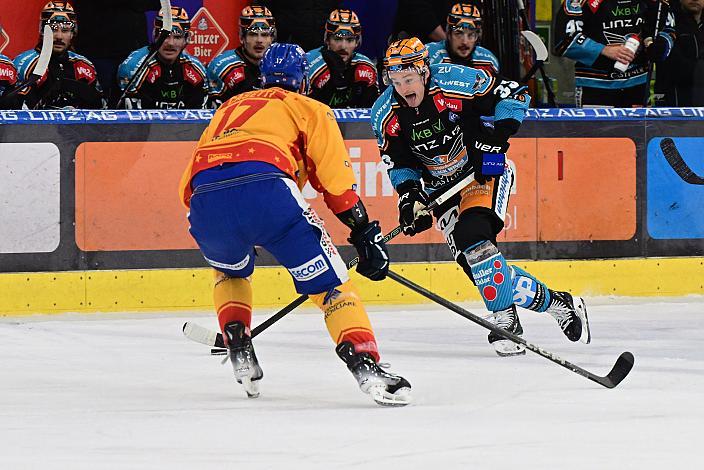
[[412, 201], [373, 256], [336, 65], [488, 157], [658, 49]]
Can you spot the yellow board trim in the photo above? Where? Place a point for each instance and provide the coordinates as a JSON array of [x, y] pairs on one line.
[[189, 289]]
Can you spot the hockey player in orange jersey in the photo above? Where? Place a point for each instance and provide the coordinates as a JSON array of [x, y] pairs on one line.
[[243, 187]]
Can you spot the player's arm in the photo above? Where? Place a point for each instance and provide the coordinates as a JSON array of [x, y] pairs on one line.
[[404, 171], [658, 47], [507, 101], [334, 178], [195, 93], [570, 41], [365, 85]]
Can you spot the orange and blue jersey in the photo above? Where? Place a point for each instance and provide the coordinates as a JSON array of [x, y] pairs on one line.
[[292, 132]]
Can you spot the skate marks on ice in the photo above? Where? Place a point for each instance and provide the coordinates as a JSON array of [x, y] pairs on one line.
[[132, 392]]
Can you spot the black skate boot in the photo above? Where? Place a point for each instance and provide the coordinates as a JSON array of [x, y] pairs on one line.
[[509, 321], [244, 361], [571, 315], [386, 389]]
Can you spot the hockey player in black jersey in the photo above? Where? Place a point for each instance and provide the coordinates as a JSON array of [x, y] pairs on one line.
[[237, 70], [429, 136], [596, 33]]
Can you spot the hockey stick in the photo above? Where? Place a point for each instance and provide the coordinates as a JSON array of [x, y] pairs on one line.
[[211, 338], [674, 158], [163, 34], [656, 32], [42, 62], [541, 53], [540, 50], [618, 372]]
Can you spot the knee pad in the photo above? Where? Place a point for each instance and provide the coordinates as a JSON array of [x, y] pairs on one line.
[[492, 275], [473, 227], [529, 292], [233, 299], [346, 319]]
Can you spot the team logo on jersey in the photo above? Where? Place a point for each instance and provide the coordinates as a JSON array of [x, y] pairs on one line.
[[442, 103], [234, 77], [8, 73], [393, 127], [310, 269], [452, 117], [191, 75], [364, 73], [154, 73], [322, 79], [594, 5], [84, 71]]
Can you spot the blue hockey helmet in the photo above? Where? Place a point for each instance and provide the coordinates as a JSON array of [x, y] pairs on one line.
[[284, 65]]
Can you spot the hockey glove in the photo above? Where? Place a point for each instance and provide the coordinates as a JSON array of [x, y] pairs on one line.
[[412, 202], [336, 65], [658, 49], [488, 157], [373, 256]]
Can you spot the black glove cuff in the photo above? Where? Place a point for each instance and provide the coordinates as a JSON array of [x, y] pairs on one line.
[[408, 185]]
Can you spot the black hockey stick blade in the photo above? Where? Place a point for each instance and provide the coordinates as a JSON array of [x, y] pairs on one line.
[[619, 371], [674, 158]]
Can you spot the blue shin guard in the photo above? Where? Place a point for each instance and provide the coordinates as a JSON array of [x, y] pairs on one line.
[[492, 275], [529, 292]]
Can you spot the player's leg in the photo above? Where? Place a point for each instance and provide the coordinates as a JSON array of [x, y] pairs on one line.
[[470, 226], [318, 270], [218, 235], [569, 312], [502, 286]]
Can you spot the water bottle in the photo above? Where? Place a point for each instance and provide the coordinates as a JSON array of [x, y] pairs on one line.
[[632, 44]]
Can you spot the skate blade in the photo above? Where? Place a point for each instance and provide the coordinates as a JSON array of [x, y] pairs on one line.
[[251, 387], [402, 397], [581, 309], [506, 348]]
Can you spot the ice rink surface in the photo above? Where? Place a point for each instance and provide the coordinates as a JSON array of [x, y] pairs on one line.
[[128, 391]]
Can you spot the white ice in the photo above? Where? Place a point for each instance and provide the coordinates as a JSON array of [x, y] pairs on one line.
[[128, 391]]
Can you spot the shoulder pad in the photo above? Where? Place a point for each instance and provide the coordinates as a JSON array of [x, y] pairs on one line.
[[186, 57], [316, 64], [82, 67], [437, 52], [459, 80], [25, 63], [485, 55]]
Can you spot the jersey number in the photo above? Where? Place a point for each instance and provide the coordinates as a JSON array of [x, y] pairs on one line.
[[247, 108]]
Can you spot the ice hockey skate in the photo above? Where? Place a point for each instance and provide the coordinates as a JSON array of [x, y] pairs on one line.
[[386, 389], [509, 321], [244, 361], [571, 315]]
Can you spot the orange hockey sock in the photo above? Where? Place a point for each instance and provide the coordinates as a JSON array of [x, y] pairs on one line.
[[346, 318], [233, 300]]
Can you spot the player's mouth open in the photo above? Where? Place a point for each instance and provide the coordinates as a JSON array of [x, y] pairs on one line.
[[411, 98]]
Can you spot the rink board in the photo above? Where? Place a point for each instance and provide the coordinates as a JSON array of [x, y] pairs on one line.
[[92, 220], [182, 289]]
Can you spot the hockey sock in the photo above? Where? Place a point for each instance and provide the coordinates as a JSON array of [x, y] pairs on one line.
[[233, 300], [346, 318], [529, 292], [492, 275]]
